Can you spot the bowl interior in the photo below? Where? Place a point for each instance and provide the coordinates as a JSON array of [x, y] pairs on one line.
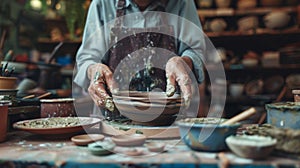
[[206, 134]]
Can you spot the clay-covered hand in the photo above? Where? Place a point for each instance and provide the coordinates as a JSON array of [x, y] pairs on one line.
[[177, 71], [101, 77]]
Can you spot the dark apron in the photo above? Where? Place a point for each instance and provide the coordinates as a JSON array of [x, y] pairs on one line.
[[147, 78]]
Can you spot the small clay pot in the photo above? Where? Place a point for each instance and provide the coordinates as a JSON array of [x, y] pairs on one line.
[[296, 95], [62, 107], [3, 119]]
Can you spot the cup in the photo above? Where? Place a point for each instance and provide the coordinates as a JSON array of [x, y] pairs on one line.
[[3, 118]]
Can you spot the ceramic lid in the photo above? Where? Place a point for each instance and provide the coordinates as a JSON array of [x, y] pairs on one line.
[[296, 91]]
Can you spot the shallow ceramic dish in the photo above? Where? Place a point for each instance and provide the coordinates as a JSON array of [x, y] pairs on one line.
[[133, 152], [251, 146], [147, 113], [156, 146], [101, 148], [206, 134], [56, 125], [129, 140], [86, 139]]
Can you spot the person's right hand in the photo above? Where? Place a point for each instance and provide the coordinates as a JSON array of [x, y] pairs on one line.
[[101, 77]]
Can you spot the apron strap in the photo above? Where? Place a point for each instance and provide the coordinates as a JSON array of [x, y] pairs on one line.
[[120, 13]]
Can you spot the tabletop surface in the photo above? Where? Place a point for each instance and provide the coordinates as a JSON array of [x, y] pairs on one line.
[[27, 148]]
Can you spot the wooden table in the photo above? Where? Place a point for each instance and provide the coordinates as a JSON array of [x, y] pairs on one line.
[[24, 149]]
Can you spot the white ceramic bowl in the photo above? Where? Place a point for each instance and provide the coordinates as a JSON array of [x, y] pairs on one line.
[[236, 89], [218, 25], [250, 62], [277, 19], [253, 147]]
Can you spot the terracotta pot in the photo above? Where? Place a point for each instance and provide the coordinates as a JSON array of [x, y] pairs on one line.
[[63, 107], [3, 119], [8, 82]]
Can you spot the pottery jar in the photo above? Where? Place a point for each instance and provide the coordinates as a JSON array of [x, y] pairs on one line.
[[296, 95], [62, 107], [284, 114], [3, 118]]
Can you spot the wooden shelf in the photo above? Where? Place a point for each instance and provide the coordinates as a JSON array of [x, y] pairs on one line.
[[257, 32], [239, 12]]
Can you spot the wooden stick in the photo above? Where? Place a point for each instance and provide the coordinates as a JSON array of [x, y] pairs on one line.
[[28, 97], [242, 116], [44, 95]]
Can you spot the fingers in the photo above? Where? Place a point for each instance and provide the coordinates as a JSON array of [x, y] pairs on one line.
[[111, 84], [171, 83], [184, 83], [177, 71], [102, 77]]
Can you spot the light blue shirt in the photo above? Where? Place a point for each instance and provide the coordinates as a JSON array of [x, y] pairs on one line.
[[100, 19]]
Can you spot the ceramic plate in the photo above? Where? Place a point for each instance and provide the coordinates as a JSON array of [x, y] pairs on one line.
[[86, 139], [129, 140], [56, 125]]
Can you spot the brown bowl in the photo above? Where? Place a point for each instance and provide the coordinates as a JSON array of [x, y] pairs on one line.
[[8, 82], [129, 140]]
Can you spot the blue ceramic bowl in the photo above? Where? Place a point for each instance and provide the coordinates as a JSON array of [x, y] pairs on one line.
[[206, 134]]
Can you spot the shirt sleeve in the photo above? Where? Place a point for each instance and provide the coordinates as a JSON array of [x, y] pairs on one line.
[[192, 44], [93, 47]]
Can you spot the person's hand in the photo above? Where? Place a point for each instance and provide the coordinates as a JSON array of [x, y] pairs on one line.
[[101, 77], [177, 71]]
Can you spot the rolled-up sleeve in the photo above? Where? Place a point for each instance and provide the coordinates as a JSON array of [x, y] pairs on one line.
[[193, 44], [93, 46]]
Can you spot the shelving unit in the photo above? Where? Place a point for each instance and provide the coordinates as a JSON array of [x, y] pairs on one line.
[[258, 40]]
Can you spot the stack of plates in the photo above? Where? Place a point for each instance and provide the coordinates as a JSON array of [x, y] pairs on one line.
[[148, 108]]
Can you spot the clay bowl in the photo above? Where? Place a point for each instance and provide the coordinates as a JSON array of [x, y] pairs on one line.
[[254, 87], [248, 23], [246, 4], [82, 140], [206, 134], [273, 84], [148, 108], [61, 107], [129, 139], [269, 3], [251, 146]]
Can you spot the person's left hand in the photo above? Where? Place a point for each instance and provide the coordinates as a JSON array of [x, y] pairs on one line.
[[177, 71]]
